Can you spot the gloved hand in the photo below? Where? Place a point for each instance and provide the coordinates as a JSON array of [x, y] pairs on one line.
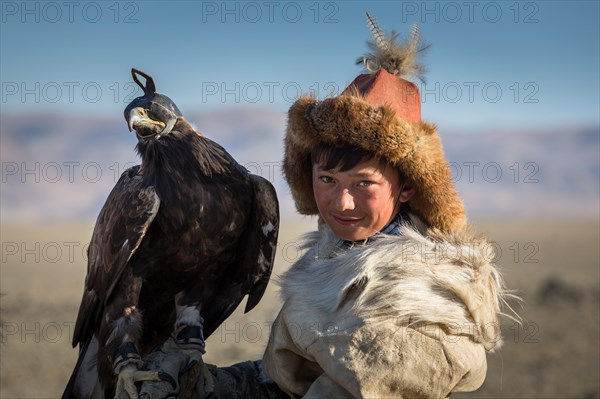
[[240, 381], [169, 365]]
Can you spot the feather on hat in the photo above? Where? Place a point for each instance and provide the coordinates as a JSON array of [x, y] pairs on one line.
[[380, 113]]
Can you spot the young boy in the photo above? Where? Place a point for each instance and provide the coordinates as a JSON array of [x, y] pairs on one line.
[[394, 297]]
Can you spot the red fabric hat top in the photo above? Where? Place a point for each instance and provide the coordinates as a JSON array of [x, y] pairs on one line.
[[384, 89]]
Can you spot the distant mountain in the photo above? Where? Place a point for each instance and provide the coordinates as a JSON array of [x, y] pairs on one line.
[[58, 167], [553, 173]]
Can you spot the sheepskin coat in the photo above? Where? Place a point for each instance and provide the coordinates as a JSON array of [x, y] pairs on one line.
[[408, 316]]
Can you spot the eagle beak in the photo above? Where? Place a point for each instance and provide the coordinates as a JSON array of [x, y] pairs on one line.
[[135, 116], [139, 117]]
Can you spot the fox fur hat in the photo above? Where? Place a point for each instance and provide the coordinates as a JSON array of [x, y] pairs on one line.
[[379, 113]]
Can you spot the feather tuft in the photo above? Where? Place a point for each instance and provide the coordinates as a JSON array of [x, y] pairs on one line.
[[396, 57], [378, 35]]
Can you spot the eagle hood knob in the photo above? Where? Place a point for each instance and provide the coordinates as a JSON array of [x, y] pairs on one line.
[[152, 107]]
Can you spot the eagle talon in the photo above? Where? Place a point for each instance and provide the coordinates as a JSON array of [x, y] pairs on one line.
[[167, 377], [199, 371], [127, 378], [196, 369]]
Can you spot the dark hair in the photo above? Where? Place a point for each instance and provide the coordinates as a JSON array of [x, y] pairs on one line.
[[341, 158], [344, 158]]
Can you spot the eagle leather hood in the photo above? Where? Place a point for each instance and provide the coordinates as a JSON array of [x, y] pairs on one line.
[[158, 105]]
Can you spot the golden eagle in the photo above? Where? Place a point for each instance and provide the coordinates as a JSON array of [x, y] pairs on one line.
[[181, 239]]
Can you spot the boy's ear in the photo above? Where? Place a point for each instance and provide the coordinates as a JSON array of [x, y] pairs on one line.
[[406, 192]]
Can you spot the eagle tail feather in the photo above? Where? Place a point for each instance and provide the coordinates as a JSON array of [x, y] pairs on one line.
[[84, 382]]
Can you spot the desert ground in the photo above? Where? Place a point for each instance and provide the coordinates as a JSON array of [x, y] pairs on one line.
[[553, 265]]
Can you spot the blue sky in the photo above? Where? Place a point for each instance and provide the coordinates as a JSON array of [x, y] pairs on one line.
[[492, 64]]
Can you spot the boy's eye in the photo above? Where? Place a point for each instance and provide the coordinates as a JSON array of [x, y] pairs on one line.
[[325, 179], [365, 183]]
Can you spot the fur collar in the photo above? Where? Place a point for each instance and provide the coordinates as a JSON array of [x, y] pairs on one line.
[[441, 279]]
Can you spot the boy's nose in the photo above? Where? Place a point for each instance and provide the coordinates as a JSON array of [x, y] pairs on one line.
[[344, 200]]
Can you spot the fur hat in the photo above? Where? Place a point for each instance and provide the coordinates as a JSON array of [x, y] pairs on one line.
[[379, 113]]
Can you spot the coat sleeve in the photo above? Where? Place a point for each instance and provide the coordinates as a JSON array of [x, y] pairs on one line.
[[386, 360], [243, 380], [324, 386], [382, 359]]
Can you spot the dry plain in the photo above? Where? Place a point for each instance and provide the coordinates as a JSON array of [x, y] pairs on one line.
[[552, 264]]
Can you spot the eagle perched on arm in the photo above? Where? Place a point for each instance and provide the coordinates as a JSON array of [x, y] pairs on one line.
[[181, 239]]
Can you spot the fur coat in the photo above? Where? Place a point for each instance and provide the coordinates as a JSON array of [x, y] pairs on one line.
[[408, 316]]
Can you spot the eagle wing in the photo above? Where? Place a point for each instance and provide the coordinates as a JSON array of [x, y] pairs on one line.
[[120, 228], [260, 258], [257, 255]]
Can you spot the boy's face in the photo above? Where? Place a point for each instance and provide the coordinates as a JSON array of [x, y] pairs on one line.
[[358, 202]]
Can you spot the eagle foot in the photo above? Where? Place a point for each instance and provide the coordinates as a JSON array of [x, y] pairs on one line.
[[196, 369], [199, 371], [190, 338], [126, 354], [128, 376]]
